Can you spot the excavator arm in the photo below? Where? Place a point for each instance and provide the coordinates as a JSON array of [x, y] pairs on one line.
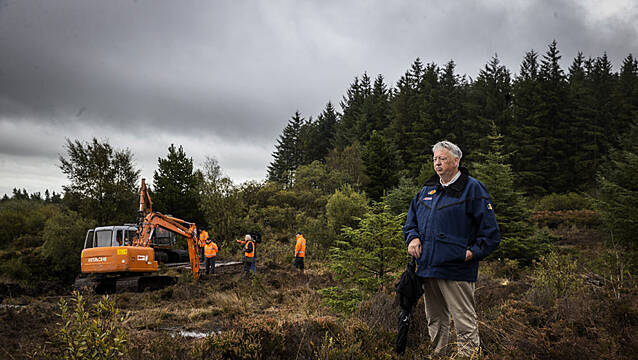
[[150, 220], [186, 229]]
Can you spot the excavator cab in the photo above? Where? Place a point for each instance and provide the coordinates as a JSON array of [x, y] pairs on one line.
[[110, 236]]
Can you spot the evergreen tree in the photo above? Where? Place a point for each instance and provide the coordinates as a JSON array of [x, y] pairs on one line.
[[527, 130], [555, 124], [584, 147], [352, 108], [618, 199], [381, 166], [490, 101], [308, 141], [20, 194], [444, 105], [375, 111], [367, 258], [411, 128], [326, 131], [288, 153], [626, 93], [317, 137], [603, 82], [175, 186], [509, 206], [398, 199]]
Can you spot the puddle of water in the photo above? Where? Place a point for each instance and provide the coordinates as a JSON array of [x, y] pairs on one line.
[[192, 334], [5, 306]]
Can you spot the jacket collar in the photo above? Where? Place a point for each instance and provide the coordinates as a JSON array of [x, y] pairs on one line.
[[456, 188]]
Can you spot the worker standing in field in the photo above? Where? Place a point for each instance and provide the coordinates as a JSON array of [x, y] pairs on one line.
[[249, 254], [300, 252], [203, 236], [210, 251]]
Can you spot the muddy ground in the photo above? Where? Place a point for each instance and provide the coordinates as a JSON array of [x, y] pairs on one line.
[[279, 314]]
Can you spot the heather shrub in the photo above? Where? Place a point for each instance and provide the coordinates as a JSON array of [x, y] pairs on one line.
[[558, 202]]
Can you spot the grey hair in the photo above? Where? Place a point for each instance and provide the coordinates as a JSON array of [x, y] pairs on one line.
[[455, 150]]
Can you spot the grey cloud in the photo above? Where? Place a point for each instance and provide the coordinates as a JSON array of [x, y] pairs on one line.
[[234, 71]]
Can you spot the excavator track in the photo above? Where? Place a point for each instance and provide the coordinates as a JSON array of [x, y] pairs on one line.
[[131, 283]]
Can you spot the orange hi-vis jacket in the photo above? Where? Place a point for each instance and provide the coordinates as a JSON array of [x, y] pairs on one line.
[[300, 248], [249, 249], [210, 249], [203, 236]]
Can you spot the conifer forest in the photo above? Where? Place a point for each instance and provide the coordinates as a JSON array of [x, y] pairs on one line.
[[555, 142]]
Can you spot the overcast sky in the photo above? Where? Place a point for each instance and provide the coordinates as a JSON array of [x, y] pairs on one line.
[[222, 78]]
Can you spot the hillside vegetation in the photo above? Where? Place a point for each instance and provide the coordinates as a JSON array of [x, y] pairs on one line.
[[556, 150]]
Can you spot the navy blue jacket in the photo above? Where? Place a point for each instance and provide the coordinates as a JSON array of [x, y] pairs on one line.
[[450, 220]]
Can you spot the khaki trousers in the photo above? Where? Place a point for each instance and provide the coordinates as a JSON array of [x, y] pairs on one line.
[[445, 298]]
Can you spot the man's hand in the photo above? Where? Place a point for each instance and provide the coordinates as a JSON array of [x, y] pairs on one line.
[[414, 248], [468, 255]]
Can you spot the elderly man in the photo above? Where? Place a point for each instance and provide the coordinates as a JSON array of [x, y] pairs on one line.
[[250, 264], [450, 227]]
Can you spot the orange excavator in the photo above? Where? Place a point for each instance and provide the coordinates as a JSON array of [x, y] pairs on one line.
[[124, 257]]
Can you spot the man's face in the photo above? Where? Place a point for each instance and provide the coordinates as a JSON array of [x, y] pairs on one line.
[[445, 164]]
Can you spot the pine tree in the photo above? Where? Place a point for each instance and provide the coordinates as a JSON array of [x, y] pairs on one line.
[[626, 93], [555, 123], [619, 190], [175, 186], [444, 103], [288, 153], [526, 129], [317, 137], [381, 164], [375, 111], [326, 130], [512, 212], [585, 151], [366, 259], [408, 129], [490, 101], [603, 82], [352, 109]]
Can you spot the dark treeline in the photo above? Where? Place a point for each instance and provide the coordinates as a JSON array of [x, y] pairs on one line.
[[23, 194], [559, 125]]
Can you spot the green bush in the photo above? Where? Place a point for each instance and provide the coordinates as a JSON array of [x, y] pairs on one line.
[[343, 207], [85, 332], [399, 198], [342, 300], [16, 270], [558, 202], [555, 277], [23, 217], [63, 237], [524, 250]]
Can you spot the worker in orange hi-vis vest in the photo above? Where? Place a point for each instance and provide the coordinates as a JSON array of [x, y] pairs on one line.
[[300, 252], [210, 251], [250, 263], [203, 236]]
